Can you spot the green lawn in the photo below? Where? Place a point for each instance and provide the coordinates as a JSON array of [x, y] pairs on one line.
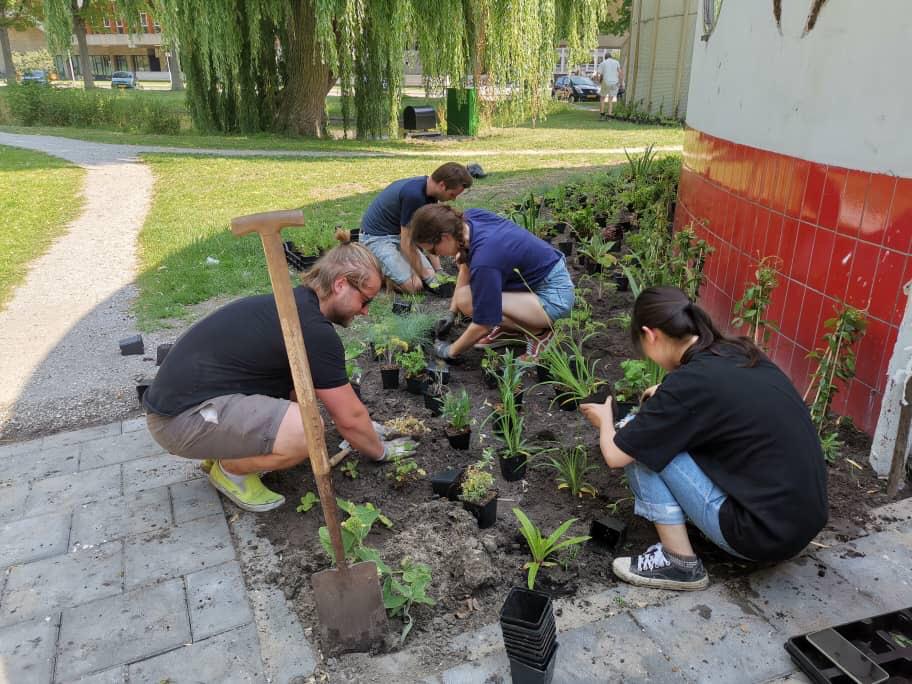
[[39, 195], [195, 198]]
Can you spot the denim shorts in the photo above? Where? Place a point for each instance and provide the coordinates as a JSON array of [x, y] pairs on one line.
[[392, 261], [555, 292]]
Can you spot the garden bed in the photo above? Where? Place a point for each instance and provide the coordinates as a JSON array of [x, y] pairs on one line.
[[473, 569]]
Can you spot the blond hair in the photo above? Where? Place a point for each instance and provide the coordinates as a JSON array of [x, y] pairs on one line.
[[348, 260]]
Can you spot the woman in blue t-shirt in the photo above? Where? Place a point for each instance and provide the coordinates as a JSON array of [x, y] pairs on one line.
[[725, 441], [513, 284]]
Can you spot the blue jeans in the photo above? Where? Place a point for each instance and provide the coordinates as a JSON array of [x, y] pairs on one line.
[[555, 292], [681, 491], [392, 261]]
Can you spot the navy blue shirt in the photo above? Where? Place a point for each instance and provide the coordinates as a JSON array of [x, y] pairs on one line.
[[497, 249], [394, 206]]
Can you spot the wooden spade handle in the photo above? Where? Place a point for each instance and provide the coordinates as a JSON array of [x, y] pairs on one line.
[[269, 227]]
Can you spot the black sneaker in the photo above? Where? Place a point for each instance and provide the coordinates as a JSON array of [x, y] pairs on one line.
[[654, 569]]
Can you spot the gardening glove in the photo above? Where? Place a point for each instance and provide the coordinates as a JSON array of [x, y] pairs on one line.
[[431, 282], [442, 350], [445, 324], [380, 429], [401, 446]]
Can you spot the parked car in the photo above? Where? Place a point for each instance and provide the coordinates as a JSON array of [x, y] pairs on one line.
[[575, 88], [123, 79], [38, 76]]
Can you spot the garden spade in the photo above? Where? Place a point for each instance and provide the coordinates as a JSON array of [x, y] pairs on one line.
[[348, 597]]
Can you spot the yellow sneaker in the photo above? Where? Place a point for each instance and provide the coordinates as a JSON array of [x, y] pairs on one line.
[[252, 495], [206, 465]]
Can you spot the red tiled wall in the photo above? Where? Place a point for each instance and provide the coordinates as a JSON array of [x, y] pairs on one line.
[[842, 235]]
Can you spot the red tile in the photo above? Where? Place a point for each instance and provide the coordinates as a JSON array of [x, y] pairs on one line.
[[877, 207], [810, 320], [888, 283], [804, 252], [898, 234], [777, 303], [773, 235], [791, 313], [787, 243], [831, 201], [820, 261], [861, 280], [861, 403], [839, 402], [853, 203], [840, 266], [750, 232], [783, 183], [870, 353], [796, 186], [802, 368], [785, 349], [813, 192]]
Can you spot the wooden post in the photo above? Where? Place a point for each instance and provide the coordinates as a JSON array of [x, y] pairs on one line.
[[632, 77], [898, 464], [655, 52], [679, 67]]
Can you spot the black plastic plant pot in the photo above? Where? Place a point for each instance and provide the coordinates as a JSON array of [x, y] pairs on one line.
[[518, 641], [356, 386], [523, 673], [513, 468], [402, 307], [485, 513], [490, 378], [433, 403], [527, 609], [438, 374], [566, 246], [416, 385], [608, 532], [448, 483], [566, 402], [542, 373], [536, 656], [561, 226], [621, 409], [444, 290], [593, 267], [161, 352], [599, 397], [390, 377], [621, 281], [354, 235], [459, 439]]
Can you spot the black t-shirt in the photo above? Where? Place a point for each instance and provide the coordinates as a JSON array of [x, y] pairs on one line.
[[752, 435], [239, 349]]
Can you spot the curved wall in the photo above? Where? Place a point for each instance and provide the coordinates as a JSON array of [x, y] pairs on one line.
[[798, 152]]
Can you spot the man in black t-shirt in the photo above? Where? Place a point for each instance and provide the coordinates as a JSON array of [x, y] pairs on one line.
[[225, 390]]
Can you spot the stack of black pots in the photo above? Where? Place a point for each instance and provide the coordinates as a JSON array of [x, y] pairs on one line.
[[530, 636]]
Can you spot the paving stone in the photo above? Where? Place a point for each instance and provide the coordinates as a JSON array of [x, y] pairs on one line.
[[12, 500], [48, 586], [133, 425], [84, 435], [66, 491], [39, 465], [117, 449], [877, 564], [286, 651], [897, 514], [217, 599], [33, 538], [194, 499], [804, 595], [494, 668], [15, 448], [158, 471], [27, 651], [125, 516], [116, 675], [122, 629], [177, 550], [230, 657], [715, 636], [790, 678]]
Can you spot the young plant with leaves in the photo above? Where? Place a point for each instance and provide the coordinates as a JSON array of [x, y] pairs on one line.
[[350, 469], [405, 587], [478, 482], [751, 309], [308, 501], [389, 349], [571, 463], [542, 547], [360, 521], [404, 469], [457, 409], [352, 351], [529, 217], [835, 362], [573, 378], [412, 362], [639, 375]]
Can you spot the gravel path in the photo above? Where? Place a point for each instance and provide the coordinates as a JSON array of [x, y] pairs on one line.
[[60, 366]]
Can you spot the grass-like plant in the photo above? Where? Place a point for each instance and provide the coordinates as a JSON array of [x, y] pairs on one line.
[[542, 547], [572, 376], [571, 465], [456, 409]]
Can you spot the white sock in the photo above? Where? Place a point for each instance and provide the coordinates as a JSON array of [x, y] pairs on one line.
[[237, 479]]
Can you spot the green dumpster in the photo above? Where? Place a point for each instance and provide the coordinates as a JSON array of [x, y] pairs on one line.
[[462, 111]]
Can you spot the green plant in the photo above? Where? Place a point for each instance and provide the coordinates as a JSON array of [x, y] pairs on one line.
[[835, 361], [405, 469], [529, 216], [350, 469], [598, 251], [572, 465], [389, 348], [360, 521], [456, 409], [639, 168], [751, 309], [478, 481], [831, 446], [308, 501], [491, 361], [542, 547], [615, 505], [571, 375], [639, 375], [412, 362], [353, 350], [404, 588]]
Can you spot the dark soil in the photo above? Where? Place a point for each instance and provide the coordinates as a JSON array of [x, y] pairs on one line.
[[474, 569]]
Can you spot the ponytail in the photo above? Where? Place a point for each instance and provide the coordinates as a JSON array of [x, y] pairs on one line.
[[350, 259], [671, 311], [432, 221]]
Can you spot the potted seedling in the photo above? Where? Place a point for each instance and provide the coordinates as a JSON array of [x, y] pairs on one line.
[[571, 464], [509, 381], [456, 410], [402, 307], [448, 483], [433, 394], [638, 376], [478, 494], [446, 285], [516, 451], [439, 372], [413, 364], [574, 380], [389, 371], [491, 363]]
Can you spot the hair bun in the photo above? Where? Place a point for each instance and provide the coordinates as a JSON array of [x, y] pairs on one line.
[[342, 235]]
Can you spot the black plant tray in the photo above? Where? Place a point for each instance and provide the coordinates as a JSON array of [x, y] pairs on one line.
[[524, 646], [884, 641]]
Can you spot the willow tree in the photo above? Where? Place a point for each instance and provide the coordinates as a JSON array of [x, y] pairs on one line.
[[66, 19], [254, 65]]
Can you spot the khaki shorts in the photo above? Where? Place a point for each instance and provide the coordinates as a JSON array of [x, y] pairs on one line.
[[230, 426]]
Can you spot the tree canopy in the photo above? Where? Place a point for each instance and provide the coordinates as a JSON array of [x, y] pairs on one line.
[[254, 65]]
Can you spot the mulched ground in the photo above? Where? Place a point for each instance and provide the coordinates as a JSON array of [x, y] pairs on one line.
[[474, 569]]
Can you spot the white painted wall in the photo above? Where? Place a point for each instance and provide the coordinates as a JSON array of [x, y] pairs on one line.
[[841, 95]]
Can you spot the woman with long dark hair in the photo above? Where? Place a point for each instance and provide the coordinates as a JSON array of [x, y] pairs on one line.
[[725, 441]]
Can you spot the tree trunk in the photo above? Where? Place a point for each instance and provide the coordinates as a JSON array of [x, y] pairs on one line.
[[9, 69], [85, 63], [177, 83], [303, 107]]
